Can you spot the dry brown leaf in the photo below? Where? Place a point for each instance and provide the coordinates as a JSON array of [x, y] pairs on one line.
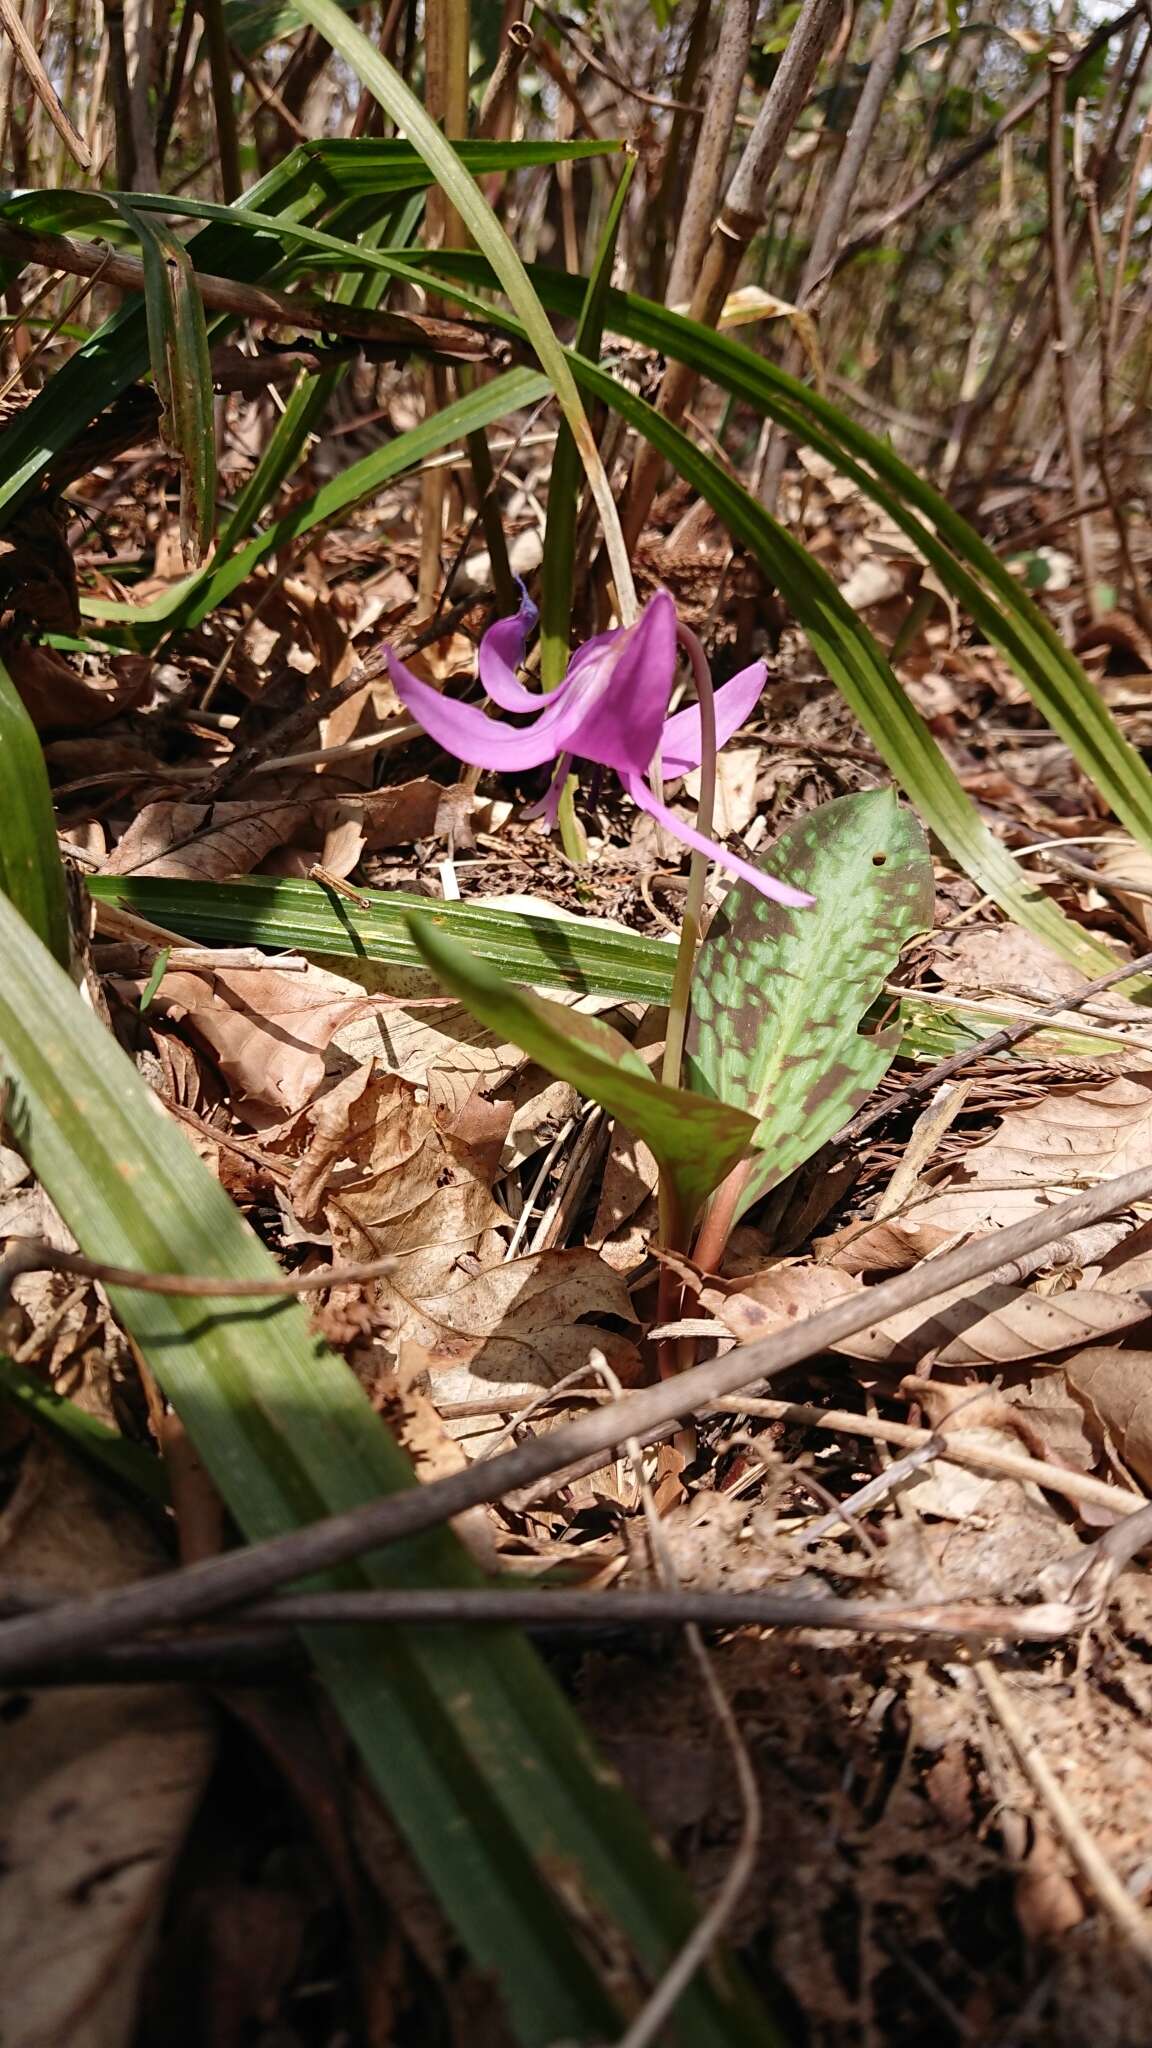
[[1115, 1387], [366, 711], [1004, 959], [1063, 1142], [1051, 1422], [1127, 1263], [884, 1248], [435, 1045], [266, 1030], [737, 773], [631, 1174], [56, 694], [343, 843], [1120, 856], [202, 842], [402, 814], [355, 824], [981, 1323], [402, 1185], [517, 1325], [77, 760], [97, 1785]]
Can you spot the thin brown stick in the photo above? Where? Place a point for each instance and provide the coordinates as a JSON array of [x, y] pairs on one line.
[[458, 338], [243, 1575], [742, 215], [726, 78], [36, 1255], [663, 1607], [223, 105], [977, 1454], [42, 85], [1128, 1917]]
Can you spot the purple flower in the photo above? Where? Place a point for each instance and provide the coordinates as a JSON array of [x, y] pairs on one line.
[[611, 708]]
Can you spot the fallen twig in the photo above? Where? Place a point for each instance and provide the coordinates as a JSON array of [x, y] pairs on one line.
[[462, 340], [36, 1255], [1117, 1901]]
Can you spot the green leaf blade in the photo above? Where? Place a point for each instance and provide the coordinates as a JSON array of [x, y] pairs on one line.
[[695, 1141], [475, 1750], [31, 872]]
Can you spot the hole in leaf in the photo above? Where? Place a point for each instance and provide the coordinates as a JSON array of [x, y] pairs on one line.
[[879, 859]]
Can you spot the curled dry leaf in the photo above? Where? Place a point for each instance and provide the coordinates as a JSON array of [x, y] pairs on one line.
[[390, 1179], [98, 1785], [1065, 1141], [1120, 859], [977, 1324], [266, 1030], [626, 1211], [355, 824], [1114, 1386], [204, 842], [58, 694], [519, 1325]]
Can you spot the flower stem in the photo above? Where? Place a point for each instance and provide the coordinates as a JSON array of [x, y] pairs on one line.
[[571, 830], [698, 870], [673, 1223]]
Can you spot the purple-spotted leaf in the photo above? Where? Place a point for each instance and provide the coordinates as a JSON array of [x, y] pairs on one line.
[[695, 1140], [778, 995]]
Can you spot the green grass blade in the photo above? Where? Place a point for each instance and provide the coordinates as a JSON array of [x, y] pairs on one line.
[[31, 873], [695, 1141], [261, 910], [778, 995], [129, 1464], [117, 354], [181, 372], [557, 569], [538, 952], [298, 190], [309, 399], [460, 188], [474, 1749]]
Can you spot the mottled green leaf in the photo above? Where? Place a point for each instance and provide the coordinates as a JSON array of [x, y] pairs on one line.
[[696, 1141], [778, 994]]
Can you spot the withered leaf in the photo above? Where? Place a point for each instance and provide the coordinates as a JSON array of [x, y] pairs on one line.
[[267, 1030], [202, 842], [1115, 1388]]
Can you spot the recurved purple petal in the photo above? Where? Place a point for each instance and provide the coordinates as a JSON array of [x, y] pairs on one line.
[[680, 748], [502, 653], [615, 695], [776, 892], [466, 731]]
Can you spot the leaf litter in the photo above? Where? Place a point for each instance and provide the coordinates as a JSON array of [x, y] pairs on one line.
[[352, 1115]]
